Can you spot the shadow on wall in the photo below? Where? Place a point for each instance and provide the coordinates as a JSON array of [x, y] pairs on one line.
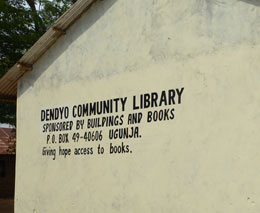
[[97, 10], [253, 2]]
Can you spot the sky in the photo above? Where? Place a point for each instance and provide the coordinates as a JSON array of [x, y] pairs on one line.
[[5, 125]]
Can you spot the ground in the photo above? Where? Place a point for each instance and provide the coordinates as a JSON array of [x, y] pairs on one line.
[[6, 205]]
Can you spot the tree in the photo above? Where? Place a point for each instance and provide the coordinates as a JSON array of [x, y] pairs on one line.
[[22, 23], [8, 113]]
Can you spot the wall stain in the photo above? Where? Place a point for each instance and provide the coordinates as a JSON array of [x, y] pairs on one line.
[[253, 2]]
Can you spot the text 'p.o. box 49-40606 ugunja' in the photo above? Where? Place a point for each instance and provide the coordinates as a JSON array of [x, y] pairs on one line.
[[142, 106]]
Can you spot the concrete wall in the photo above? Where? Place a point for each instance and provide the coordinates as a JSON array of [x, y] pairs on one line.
[[206, 159], [7, 176]]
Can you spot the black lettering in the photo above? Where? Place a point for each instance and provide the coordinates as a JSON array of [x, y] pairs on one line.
[[134, 103], [43, 115], [163, 99], [179, 93], [154, 97], [171, 94]]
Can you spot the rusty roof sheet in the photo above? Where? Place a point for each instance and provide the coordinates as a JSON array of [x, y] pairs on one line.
[[7, 139], [8, 83]]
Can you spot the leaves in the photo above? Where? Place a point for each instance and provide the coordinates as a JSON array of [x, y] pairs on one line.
[[22, 23], [7, 113]]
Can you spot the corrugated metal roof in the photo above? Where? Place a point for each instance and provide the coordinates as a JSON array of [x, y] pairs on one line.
[[8, 83], [7, 139]]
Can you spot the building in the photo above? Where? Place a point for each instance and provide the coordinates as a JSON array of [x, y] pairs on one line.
[[140, 106], [7, 140], [7, 162]]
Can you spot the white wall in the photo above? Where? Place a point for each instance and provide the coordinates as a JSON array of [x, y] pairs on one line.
[[204, 160]]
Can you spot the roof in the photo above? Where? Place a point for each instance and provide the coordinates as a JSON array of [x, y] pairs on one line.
[[7, 139], [8, 83]]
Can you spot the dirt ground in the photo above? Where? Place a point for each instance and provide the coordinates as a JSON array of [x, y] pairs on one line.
[[6, 205]]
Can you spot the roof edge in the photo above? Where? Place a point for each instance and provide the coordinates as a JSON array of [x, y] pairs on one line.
[[7, 98], [8, 83]]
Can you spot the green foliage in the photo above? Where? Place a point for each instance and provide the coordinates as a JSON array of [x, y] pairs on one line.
[[7, 113], [16, 33], [53, 10], [22, 23]]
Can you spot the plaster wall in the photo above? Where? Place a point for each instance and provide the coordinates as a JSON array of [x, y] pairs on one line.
[[206, 159]]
